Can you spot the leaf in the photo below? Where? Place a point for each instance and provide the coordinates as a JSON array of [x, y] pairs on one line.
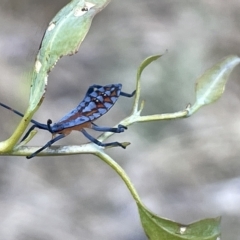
[[157, 228], [63, 36], [210, 86], [145, 63], [142, 66]]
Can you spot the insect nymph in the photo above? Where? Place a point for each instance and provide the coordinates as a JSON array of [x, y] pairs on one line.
[[97, 101]]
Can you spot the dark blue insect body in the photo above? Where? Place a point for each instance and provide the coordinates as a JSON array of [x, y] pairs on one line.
[[97, 101]]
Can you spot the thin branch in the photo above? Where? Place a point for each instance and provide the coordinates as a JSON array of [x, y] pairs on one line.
[[118, 169], [89, 148]]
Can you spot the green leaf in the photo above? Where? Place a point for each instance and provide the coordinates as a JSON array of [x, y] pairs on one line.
[[157, 228], [210, 86], [145, 63], [142, 66], [63, 36]]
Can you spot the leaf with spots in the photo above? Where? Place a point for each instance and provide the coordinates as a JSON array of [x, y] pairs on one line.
[[63, 36], [157, 228]]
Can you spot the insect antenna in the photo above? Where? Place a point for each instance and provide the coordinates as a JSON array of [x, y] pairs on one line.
[[19, 114], [35, 123], [94, 140]]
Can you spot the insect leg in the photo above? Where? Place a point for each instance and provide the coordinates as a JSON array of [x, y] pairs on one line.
[[94, 140], [49, 127], [48, 144], [128, 94], [39, 125], [28, 132], [119, 129]]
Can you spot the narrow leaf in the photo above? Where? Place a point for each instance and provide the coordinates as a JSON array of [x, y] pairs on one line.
[[164, 229], [142, 66], [210, 86], [145, 63]]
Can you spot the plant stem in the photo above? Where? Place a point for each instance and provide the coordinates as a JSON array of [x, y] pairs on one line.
[[107, 159]]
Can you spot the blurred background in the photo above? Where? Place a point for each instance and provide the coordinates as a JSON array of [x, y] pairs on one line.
[[184, 169]]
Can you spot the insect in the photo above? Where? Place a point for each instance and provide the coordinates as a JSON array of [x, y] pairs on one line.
[[97, 101]]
